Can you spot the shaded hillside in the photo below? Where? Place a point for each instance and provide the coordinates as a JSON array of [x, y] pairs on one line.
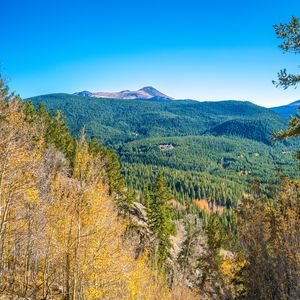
[[258, 130], [287, 110]]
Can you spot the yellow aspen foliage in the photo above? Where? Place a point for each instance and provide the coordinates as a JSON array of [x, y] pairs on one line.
[[60, 234]]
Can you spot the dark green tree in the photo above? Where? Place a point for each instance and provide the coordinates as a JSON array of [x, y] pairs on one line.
[[147, 200], [29, 111], [111, 166], [56, 131], [4, 90], [290, 34], [293, 130], [60, 135], [160, 220]]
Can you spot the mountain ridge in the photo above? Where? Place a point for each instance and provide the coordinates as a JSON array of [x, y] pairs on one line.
[[147, 92], [116, 120], [287, 110]]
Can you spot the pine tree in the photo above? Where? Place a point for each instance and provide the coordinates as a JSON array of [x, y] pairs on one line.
[[4, 90], [160, 220], [290, 34], [30, 112]]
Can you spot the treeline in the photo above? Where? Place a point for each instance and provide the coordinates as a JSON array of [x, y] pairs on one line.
[[229, 140]]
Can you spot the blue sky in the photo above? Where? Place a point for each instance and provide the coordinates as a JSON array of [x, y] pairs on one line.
[[204, 50]]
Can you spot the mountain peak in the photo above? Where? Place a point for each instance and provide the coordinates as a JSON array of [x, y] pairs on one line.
[[147, 92], [147, 88], [154, 92]]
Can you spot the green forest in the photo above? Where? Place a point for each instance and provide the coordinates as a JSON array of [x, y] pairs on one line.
[[203, 148]]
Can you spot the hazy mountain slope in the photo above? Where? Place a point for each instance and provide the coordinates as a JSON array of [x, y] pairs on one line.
[[287, 110]]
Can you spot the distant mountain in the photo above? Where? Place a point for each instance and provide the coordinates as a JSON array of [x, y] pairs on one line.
[[115, 120], [286, 110], [144, 93]]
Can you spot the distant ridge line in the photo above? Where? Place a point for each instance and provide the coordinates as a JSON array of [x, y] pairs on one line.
[[147, 92]]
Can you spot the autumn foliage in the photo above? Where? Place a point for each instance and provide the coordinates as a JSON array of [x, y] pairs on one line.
[[60, 234]]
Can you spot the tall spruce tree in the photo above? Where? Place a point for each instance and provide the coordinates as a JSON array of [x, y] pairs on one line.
[[160, 220]]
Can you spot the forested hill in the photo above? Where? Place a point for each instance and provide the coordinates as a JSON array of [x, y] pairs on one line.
[[118, 120], [287, 110]]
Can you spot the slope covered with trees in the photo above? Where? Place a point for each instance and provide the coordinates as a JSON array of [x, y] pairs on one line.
[[116, 120], [287, 110], [61, 236], [230, 140]]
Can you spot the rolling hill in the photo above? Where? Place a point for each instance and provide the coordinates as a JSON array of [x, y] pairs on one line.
[[118, 120]]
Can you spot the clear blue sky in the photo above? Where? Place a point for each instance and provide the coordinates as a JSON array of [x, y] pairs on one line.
[[205, 50]]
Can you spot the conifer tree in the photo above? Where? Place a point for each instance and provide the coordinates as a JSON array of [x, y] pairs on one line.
[[160, 220], [30, 112], [147, 200], [112, 168], [290, 35], [4, 90]]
